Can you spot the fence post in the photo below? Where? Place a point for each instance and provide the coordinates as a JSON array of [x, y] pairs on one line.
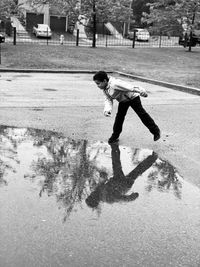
[[77, 37], [160, 39], [134, 37], [14, 35], [47, 36], [185, 39], [106, 40]]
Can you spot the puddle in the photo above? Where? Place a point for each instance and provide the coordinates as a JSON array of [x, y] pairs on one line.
[[74, 196]]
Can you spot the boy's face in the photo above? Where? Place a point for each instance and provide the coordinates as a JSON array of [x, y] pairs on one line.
[[101, 85]]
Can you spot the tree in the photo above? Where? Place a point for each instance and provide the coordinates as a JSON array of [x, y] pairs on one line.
[[8, 7], [62, 7], [139, 7], [172, 12]]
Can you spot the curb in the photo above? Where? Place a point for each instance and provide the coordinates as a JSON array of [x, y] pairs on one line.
[[186, 89], [48, 71], [52, 71]]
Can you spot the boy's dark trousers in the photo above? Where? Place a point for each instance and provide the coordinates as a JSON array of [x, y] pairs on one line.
[[136, 105]]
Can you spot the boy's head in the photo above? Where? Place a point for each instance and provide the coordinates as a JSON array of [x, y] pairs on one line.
[[101, 79]]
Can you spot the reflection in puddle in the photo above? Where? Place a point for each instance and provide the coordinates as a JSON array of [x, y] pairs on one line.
[[124, 206], [76, 171]]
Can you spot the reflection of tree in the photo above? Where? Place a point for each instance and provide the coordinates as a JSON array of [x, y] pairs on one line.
[[66, 169], [164, 177], [68, 173], [14, 136], [116, 188], [8, 154], [2, 173]]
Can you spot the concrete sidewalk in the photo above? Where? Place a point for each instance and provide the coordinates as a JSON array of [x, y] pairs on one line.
[[17, 24]]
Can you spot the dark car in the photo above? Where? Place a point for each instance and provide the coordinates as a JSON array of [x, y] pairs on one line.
[[188, 38], [2, 37]]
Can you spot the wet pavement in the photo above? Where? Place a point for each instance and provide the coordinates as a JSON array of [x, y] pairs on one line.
[[75, 202], [67, 198]]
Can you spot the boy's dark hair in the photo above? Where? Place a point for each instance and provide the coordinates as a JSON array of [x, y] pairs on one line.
[[100, 76]]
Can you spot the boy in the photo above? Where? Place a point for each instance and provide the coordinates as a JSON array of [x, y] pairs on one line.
[[128, 96]]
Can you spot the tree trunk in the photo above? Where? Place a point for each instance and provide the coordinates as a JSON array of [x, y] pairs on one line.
[[190, 42], [193, 19]]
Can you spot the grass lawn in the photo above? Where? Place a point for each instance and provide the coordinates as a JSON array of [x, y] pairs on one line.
[[175, 65]]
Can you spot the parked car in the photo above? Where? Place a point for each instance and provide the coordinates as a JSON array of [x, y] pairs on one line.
[[141, 34], [42, 30], [2, 37]]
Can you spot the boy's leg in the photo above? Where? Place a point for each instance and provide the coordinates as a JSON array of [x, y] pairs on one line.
[[145, 117], [119, 119]]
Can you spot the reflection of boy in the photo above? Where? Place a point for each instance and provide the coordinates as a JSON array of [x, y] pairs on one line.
[[115, 189], [128, 96]]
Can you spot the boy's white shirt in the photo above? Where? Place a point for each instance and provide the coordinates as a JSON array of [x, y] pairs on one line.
[[120, 90]]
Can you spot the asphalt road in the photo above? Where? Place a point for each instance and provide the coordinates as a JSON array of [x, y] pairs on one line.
[[46, 222]]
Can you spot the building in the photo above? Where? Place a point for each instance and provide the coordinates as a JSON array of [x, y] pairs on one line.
[[43, 14]]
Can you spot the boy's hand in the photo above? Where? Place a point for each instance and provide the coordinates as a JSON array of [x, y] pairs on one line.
[[107, 113], [143, 92], [140, 90]]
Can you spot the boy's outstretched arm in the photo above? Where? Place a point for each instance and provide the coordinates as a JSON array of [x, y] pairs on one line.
[[129, 87]]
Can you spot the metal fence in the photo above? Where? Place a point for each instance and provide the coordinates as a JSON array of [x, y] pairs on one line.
[[102, 40]]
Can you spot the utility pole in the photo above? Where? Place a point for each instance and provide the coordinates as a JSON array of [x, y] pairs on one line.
[[94, 23], [129, 20]]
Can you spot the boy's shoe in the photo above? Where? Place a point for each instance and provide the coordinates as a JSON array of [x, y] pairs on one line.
[[113, 139], [157, 136]]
